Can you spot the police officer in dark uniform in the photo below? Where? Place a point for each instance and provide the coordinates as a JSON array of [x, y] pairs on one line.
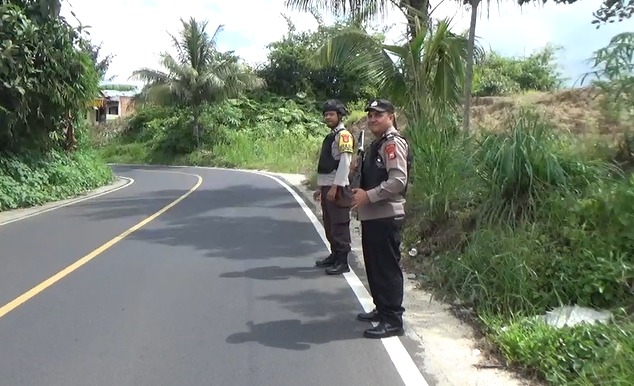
[[380, 204], [334, 187]]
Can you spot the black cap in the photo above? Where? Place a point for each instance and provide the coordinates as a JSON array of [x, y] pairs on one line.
[[380, 105]]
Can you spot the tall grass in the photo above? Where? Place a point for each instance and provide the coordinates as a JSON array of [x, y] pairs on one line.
[[287, 152], [523, 165], [553, 227], [441, 168]]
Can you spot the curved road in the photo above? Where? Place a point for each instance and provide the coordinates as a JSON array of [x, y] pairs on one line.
[[219, 289]]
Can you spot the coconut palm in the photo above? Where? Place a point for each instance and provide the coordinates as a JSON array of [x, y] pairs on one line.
[[199, 73], [426, 71], [415, 11]]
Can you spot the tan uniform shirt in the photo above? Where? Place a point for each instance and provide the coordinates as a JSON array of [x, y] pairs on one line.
[[342, 150], [387, 200]]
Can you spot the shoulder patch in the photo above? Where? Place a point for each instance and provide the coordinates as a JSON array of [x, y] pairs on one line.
[[345, 142], [390, 151]]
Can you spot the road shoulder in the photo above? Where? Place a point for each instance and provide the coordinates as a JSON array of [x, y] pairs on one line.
[[447, 347], [10, 216]]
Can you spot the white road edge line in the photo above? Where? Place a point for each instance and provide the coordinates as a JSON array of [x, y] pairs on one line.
[[402, 360], [409, 372], [70, 201]]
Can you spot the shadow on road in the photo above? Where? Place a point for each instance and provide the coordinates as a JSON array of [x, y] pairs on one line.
[[205, 200], [242, 222], [293, 334], [327, 303], [275, 272]]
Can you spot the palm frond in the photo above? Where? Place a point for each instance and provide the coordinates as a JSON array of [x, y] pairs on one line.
[[443, 66], [357, 10], [149, 75], [355, 50], [200, 73]]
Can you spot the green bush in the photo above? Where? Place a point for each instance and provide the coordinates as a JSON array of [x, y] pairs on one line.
[[32, 178], [270, 133]]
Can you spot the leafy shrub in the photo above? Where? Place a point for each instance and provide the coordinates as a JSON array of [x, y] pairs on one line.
[[43, 75], [33, 178], [269, 132], [497, 75]]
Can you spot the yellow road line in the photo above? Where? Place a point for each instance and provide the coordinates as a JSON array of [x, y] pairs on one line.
[[61, 274]]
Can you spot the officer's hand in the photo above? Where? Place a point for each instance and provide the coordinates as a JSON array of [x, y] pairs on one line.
[[332, 193], [317, 195], [359, 198]]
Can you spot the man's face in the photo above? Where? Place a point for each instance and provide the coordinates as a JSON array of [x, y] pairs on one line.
[[379, 121], [331, 118]]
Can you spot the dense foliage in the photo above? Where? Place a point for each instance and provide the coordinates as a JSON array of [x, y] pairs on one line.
[[291, 70], [495, 74], [270, 132], [43, 74], [47, 79]]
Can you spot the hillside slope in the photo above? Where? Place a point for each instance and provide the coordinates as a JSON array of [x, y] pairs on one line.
[[578, 111]]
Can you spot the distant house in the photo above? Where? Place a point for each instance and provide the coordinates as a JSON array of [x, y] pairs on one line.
[[112, 104]]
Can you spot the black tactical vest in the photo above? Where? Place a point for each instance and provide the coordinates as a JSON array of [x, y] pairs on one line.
[[374, 172], [327, 163]]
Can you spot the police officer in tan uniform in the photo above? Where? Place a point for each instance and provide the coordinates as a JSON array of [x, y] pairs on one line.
[[380, 204], [334, 187]]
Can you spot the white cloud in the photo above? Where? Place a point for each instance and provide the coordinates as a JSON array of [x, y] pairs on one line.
[[135, 31]]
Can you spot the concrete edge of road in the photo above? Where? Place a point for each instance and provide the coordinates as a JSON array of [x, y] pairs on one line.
[[11, 216]]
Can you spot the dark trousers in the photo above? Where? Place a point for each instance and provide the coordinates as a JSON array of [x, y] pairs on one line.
[[381, 239], [336, 218]]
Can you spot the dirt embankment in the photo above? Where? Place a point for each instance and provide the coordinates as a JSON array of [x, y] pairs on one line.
[[578, 111]]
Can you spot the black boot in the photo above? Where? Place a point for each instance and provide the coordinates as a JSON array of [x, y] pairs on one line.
[[327, 262], [372, 316], [383, 330], [340, 266]]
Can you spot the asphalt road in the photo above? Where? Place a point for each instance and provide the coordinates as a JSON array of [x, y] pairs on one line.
[[218, 290]]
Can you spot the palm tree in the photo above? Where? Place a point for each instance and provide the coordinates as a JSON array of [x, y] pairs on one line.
[[428, 70], [199, 74], [415, 11]]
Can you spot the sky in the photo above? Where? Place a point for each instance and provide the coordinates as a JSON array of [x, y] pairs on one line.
[[136, 31]]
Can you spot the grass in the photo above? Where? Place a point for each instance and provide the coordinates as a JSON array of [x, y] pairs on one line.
[[355, 116], [232, 139], [582, 355], [541, 225], [287, 153]]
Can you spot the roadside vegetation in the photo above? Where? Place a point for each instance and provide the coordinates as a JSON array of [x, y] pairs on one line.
[[39, 100], [529, 210]]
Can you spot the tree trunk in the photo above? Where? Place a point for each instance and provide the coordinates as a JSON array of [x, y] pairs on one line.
[[71, 141], [196, 110], [197, 131], [423, 7], [468, 84]]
